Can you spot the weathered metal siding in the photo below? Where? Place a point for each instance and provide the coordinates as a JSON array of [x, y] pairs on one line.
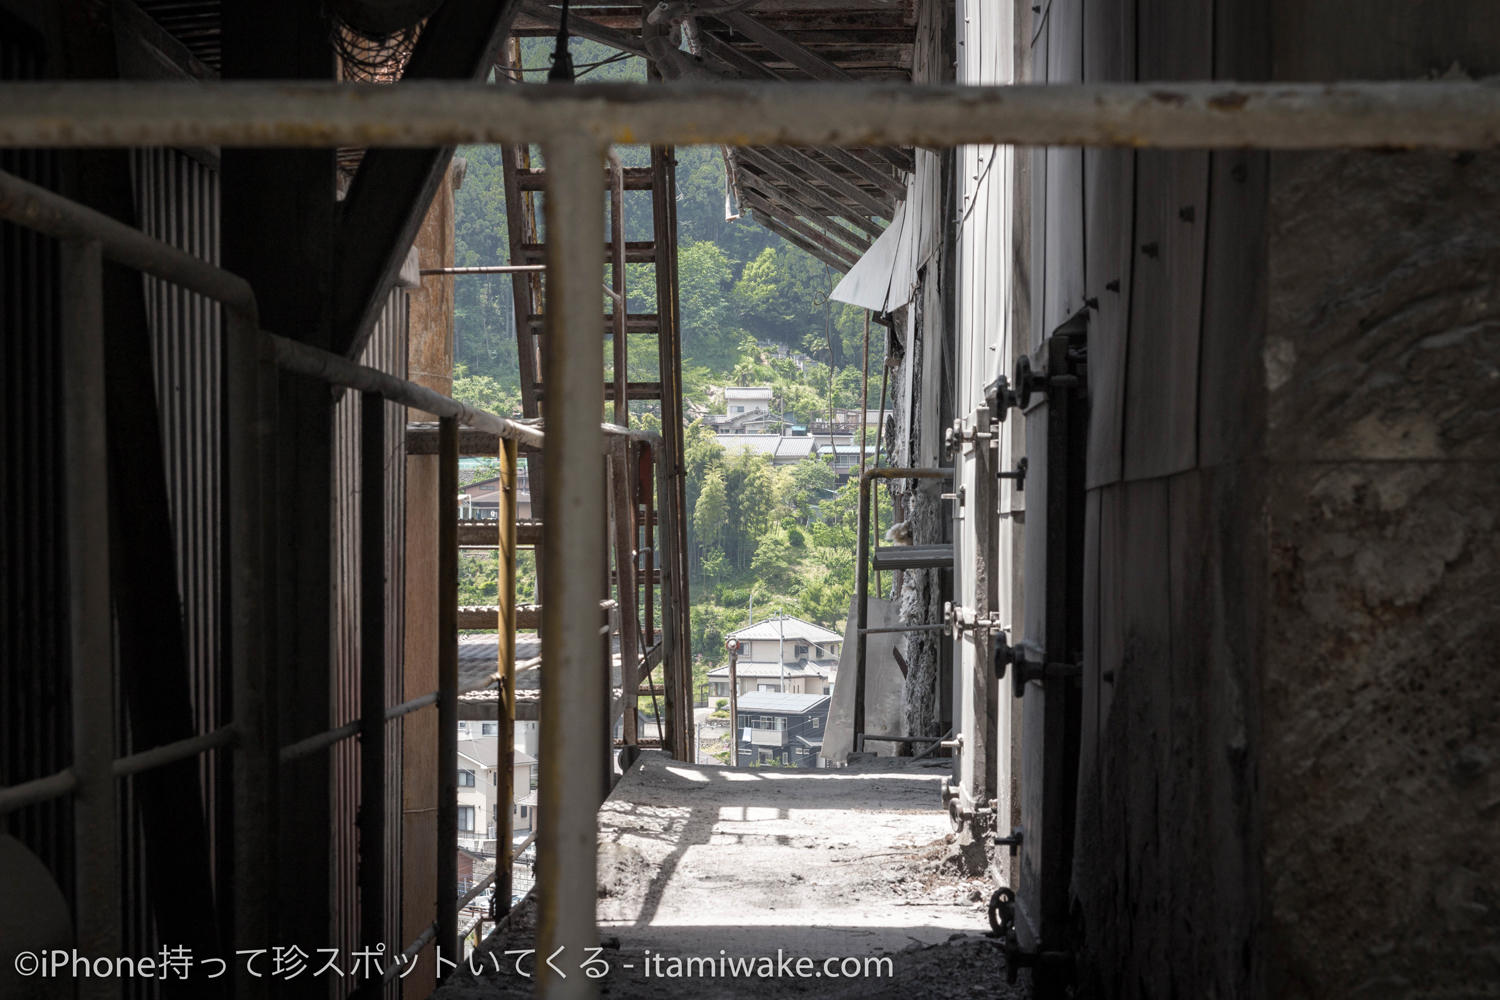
[[177, 201], [1161, 251], [985, 344], [921, 401], [387, 351], [35, 734]]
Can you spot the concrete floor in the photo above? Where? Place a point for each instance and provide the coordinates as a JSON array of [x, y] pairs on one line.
[[853, 862]]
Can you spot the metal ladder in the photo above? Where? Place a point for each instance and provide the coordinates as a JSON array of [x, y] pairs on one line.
[[525, 185]]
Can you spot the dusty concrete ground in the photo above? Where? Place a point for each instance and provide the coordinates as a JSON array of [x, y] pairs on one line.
[[704, 861]]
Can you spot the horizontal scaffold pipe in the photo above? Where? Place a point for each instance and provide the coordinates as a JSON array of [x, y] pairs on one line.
[[1443, 114], [36, 208]]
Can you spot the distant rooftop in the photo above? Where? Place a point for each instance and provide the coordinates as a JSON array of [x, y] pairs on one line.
[[775, 701], [748, 392], [786, 626], [763, 668]]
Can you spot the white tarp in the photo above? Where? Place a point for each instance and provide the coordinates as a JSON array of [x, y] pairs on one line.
[[885, 277], [868, 283]]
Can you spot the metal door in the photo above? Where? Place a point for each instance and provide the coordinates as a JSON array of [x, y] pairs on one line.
[[1044, 664]]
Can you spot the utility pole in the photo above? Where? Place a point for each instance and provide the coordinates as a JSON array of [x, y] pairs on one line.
[[781, 648], [734, 702]]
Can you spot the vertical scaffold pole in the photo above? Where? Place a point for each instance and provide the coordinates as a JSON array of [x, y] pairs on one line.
[[90, 646], [447, 706], [506, 667], [372, 730], [573, 710]]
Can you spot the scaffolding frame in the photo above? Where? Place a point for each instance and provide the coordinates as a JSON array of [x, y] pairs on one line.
[[574, 125]]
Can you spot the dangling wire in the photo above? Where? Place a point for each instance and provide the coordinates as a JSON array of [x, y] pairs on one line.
[[562, 59]]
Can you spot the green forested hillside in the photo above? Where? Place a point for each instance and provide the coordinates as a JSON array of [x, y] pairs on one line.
[[781, 539]]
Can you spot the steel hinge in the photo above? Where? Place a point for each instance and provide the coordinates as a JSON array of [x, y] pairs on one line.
[[1030, 664], [960, 619], [1018, 474], [1003, 393]]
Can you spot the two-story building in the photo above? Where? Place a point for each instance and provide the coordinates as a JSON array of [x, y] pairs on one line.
[[478, 792], [776, 729], [781, 654], [740, 399]]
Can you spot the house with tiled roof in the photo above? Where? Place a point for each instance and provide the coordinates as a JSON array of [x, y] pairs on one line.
[[781, 653]]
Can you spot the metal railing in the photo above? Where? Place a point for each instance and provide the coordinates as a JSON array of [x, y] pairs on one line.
[[253, 355], [862, 588]]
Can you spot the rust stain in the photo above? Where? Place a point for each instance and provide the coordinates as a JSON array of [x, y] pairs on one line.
[[1168, 97], [1232, 101]]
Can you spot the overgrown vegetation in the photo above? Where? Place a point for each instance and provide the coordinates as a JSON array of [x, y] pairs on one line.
[[755, 311]]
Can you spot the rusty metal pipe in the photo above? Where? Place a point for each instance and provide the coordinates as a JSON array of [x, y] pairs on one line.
[[1447, 114]]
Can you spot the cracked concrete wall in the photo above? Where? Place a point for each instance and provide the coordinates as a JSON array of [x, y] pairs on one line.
[[1382, 693], [1292, 787]]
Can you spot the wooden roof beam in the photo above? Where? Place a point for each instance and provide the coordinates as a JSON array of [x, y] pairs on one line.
[[830, 250], [799, 161], [792, 208], [766, 219], [582, 27], [799, 56], [719, 50], [765, 180], [855, 164]]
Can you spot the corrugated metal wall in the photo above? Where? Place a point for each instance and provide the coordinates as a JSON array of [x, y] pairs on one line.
[[386, 350], [35, 735], [177, 201]]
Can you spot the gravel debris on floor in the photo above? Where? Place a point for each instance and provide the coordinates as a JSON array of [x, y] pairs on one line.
[[707, 862]]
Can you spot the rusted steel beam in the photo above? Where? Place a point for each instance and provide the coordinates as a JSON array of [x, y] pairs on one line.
[[620, 394], [1445, 114], [422, 439], [636, 178], [634, 390], [486, 534], [486, 269], [505, 668], [447, 685], [634, 323], [622, 518], [487, 617], [636, 252]]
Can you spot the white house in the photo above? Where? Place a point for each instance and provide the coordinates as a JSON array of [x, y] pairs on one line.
[[747, 399], [782, 654], [478, 791]]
